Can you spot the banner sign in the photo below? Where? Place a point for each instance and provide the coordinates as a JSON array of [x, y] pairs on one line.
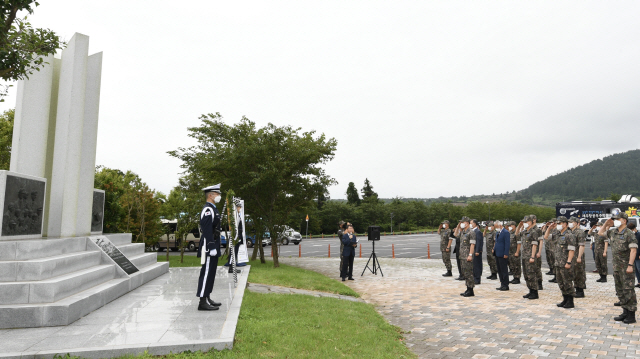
[[243, 256]]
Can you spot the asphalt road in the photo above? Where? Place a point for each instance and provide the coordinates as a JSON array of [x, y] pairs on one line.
[[405, 246]]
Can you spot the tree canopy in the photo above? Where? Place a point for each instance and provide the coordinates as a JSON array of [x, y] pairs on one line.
[[6, 138], [276, 170]]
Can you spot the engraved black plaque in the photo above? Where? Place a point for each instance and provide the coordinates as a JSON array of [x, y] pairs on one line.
[[97, 213], [112, 251], [23, 206]]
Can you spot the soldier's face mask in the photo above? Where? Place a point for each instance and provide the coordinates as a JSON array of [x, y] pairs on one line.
[[617, 223], [525, 225], [217, 199], [463, 225], [511, 228], [571, 225], [490, 228], [559, 227]]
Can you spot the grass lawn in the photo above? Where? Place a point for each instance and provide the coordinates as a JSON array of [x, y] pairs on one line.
[[286, 276], [300, 326]]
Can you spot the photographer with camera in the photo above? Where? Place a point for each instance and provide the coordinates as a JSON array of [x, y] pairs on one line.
[[350, 243]]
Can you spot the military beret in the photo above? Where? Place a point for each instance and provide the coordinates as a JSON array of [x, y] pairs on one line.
[[445, 222], [574, 219], [465, 219], [620, 215], [562, 219]]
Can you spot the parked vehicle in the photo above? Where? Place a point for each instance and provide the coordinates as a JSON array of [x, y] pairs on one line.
[[596, 210], [290, 235], [192, 239]]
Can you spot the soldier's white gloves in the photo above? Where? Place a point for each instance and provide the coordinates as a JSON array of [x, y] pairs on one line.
[[213, 252]]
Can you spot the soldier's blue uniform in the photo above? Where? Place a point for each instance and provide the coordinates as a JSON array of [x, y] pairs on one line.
[[210, 227]]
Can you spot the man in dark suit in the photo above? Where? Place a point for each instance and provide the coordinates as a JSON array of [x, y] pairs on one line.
[[477, 256], [349, 252], [501, 251]]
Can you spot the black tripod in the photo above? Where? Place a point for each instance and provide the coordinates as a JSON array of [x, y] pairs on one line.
[[376, 263]]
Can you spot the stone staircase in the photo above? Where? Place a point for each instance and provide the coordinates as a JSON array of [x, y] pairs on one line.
[[51, 282]]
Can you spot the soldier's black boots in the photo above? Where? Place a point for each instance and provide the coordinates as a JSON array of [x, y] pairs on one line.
[[540, 285], [493, 276], [448, 274], [533, 295], [579, 293], [622, 316], [526, 296], [468, 293], [460, 278], [564, 301], [603, 279], [553, 280], [631, 317], [212, 303], [569, 303], [617, 304], [550, 272], [515, 281], [206, 306]]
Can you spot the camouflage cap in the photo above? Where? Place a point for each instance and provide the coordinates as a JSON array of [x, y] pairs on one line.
[[574, 219], [512, 223], [490, 224], [552, 220], [526, 219], [620, 215], [562, 219], [533, 217], [465, 219], [444, 222]]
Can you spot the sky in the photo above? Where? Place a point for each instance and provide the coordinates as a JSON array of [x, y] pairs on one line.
[[425, 98]]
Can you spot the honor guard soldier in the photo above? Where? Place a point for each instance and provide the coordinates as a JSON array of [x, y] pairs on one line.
[[467, 239], [529, 238], [445, 247], [514, 254], [623, 249], [490, 240], [209, 250], [602, 244], [564, 250], [580, 269]]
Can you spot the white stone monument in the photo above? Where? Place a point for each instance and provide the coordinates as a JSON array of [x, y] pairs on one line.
[[55, 264]]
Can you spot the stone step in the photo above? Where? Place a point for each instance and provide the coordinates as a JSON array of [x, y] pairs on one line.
[[45, 268], [55, 289], [148, 273], [119, 239], [23, 250], [144, 260], [132, 250]]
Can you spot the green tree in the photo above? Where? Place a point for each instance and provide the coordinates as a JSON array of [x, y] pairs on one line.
[[6, 138], [352, 194], [615, 197], [276, 170], [367, 190], [21, 46]]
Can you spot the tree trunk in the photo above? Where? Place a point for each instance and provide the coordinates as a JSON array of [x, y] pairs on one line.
[[254, 255], [274, 245], [262, 254], [182, 252]]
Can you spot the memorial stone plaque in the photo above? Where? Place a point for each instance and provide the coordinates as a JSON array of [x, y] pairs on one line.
[[23, 206], [97, 215], [112, 251]]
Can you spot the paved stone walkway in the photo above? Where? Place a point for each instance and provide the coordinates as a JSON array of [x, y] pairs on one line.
[[414, 296], [263, 288]]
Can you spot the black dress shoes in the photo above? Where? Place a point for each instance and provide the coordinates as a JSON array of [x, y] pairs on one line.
[[515, 281], [212, 303], [203, 305]]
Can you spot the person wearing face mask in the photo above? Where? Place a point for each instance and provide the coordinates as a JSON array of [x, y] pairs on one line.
[[624, 247], [209, 249], [490, 239], [564, 259], [538, 254], [548, 250], [467, 238], [445, 247], [529, 238], [477, 256], [456, 251], [502, 255], [579, 269], [601, 243], [514, 254]]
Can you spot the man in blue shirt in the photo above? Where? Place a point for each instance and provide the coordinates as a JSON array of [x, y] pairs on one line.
[[501, 251]]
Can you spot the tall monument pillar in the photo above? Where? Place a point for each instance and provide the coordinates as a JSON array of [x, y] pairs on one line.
[[55, 137]]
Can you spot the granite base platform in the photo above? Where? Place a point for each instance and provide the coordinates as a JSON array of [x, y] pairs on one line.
[[160, 317]]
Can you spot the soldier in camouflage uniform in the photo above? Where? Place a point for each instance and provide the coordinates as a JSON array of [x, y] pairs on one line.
[[467, 239], [514, 254], [538, 254], [601, 247], [490, 240], [550, 246], [445, 249], [565, 246], [623, 249], [529, 238], [580, 269]]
